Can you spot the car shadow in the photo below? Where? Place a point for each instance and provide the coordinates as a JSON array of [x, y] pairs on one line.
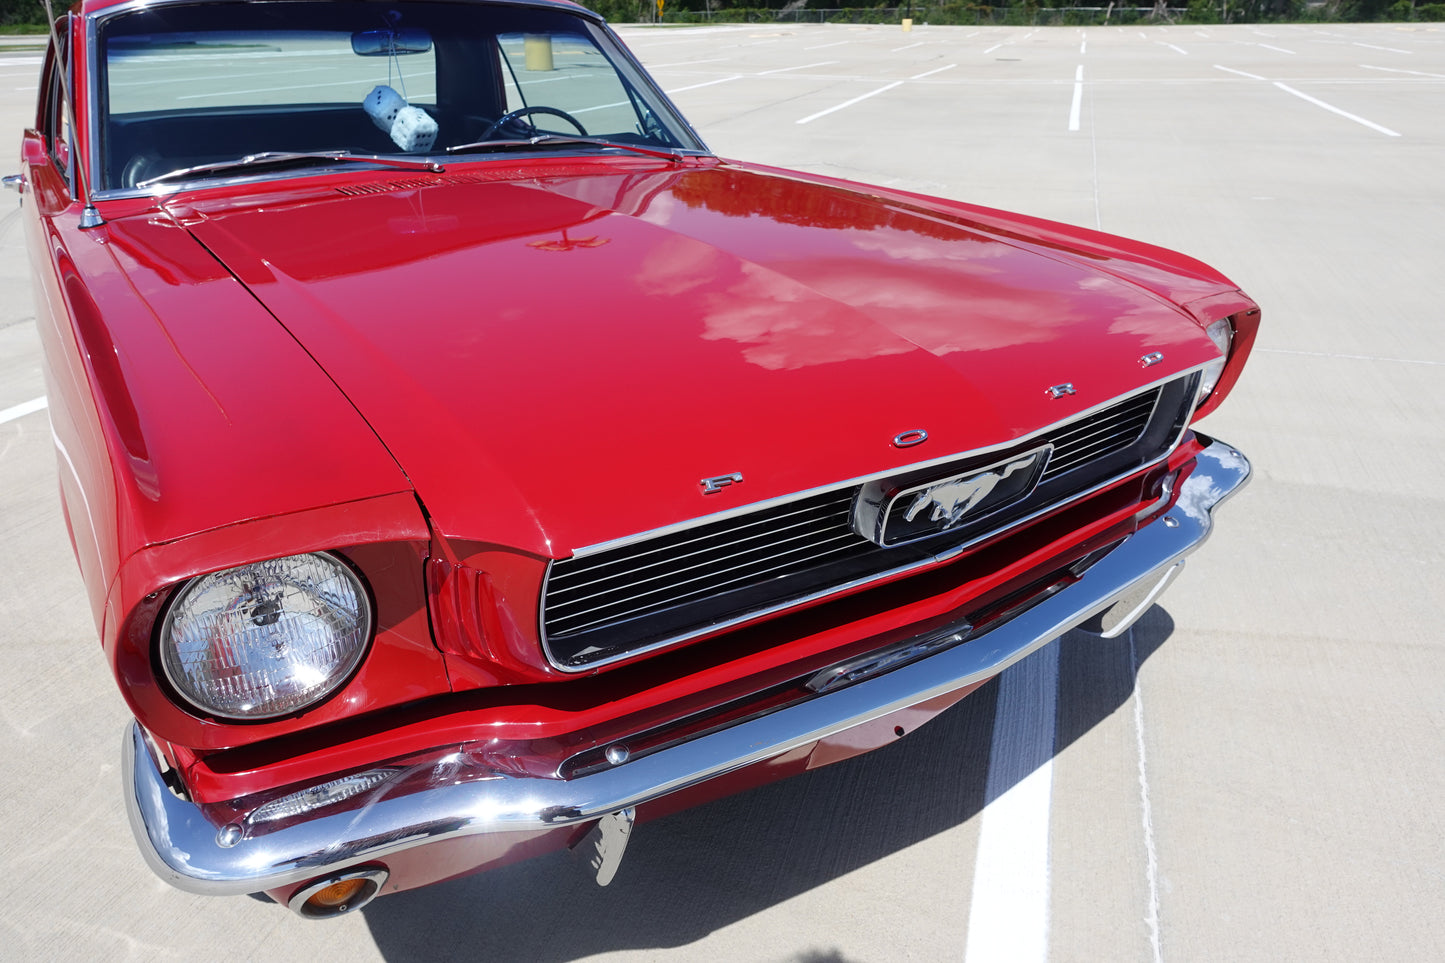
[[689, 874]]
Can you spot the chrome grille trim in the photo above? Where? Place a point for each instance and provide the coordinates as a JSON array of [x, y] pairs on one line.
[[874, 476], [1114, 436]]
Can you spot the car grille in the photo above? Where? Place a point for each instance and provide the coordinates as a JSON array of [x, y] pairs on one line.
[[603, 606]]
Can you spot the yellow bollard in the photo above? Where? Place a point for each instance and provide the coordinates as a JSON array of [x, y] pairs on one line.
[[907, 24], [538, 50]]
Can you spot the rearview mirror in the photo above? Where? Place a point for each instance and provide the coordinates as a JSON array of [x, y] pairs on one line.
[[384, 43]]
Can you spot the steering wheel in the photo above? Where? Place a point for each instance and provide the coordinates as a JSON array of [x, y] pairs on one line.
[[521, 112]]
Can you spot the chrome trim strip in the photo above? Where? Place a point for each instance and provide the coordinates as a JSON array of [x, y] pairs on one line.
[[463, 797], [875, 476], [934, 560]]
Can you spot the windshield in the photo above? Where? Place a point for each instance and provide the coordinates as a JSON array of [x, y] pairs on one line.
[[192, 87]]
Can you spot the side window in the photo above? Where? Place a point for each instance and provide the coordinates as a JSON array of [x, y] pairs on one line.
[[55, 118]]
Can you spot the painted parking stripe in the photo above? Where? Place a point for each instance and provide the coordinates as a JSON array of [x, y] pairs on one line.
[[1231, 70], [689, 63], [1335, 110], [1388, 49], [1078, 98], [1146, 810], [709, 83], [1178, 50], [1397, 70], [783, 70], [1280, 49], [1008, 919], [1353, 357], [849, 103], [873, 93], [22, 409], [930, 73], [1316, 101]]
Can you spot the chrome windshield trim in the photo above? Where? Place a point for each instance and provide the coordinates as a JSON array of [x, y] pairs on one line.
[[463, 796], [453, 163]]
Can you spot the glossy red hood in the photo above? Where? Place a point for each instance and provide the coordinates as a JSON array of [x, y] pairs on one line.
[[557, 359]]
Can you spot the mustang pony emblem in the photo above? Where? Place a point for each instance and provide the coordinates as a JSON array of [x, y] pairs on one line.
[[953, 500]]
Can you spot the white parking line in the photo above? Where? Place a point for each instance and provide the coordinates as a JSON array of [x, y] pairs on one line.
[[1008, 920], [22, 409], [1314, 100], [783, 70], [849, 103], [709, 83], [1179, 50], [1146, 808], [873, 93], [1083, 45], [1078, 98], [1352, 357], [908, 47], [1335, 110], [1280, 49], [995, 47], [1397, 70], [689, 63], [1373, 47], [821, 46]]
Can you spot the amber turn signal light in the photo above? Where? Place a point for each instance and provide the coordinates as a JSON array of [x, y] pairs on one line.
[[334, 895]]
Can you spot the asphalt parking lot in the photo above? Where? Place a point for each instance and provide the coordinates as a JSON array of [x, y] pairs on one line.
[[1254, 773]]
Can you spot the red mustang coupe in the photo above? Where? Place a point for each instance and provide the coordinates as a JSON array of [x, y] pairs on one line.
[[463, 462]]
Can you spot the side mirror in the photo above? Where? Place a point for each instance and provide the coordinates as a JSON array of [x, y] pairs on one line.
[[32, 149], [385, 43]]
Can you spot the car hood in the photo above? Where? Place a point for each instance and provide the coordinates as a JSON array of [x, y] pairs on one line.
[[557, 358]]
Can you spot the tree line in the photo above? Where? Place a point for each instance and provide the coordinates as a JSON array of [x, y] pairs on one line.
[[18, 15]]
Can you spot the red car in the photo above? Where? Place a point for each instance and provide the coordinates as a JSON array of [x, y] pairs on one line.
[[463, 462]]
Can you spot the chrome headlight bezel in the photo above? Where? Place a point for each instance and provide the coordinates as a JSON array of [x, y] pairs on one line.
[[303, 676]]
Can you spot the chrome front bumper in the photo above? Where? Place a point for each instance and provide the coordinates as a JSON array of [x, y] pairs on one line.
[[186, 850]]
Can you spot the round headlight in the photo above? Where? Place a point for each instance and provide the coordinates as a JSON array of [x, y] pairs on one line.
[[267, 639]]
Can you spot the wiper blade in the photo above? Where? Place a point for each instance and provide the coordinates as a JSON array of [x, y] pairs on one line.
[[562, 140], [280, 158]]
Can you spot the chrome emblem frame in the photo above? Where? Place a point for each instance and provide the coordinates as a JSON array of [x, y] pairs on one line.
[[1060, 391], [947, 501]]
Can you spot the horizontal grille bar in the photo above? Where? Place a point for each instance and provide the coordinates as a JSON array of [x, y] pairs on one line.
[[598, 607]]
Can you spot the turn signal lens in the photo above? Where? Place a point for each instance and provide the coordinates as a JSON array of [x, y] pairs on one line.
[[266, 639], [343, 893], [318, 796], [337, 894], [1221, 332]]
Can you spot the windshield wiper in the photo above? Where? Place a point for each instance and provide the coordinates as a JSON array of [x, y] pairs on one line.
[[562, 140], [279, 158]]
